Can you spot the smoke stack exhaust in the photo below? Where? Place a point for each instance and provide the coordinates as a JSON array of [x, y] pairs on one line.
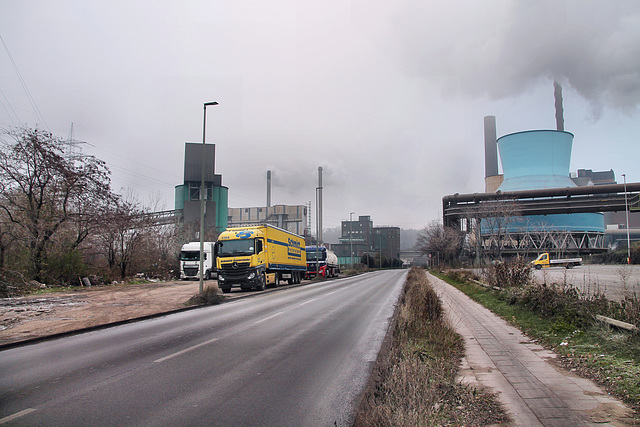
[[557, 94], [268, 189]]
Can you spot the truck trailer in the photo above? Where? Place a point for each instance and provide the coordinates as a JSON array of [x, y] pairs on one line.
[[254, 257], [544, 260], [190, 261], [322, 261]]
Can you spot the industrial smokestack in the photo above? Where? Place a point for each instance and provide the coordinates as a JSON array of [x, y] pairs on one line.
[[319, 231], [557, 94], [490, 147], [268, 189]]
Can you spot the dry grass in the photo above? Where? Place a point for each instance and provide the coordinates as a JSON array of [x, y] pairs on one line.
[[415, 380], [210, 296]]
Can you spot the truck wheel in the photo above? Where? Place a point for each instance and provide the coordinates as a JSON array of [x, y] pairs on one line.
[[570, 265], [261, 282], [207, 275], [538, 267]]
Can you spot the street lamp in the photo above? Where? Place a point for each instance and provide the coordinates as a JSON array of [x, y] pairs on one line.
[[351, 238], [202, 197], [318, 230], [380, 239], [626, 211]]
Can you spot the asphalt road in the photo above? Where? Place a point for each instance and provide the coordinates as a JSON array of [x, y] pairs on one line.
[[299, 356], [615, 281]]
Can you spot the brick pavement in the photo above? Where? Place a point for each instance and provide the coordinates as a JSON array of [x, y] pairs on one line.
[[534, 391]]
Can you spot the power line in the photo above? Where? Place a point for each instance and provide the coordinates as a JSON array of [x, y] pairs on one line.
[[24, 86], [10, 106]]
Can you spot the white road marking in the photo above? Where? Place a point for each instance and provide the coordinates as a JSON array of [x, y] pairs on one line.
[[308, 301], [16, 415], [270, 317], [185, 350], [333, 292]]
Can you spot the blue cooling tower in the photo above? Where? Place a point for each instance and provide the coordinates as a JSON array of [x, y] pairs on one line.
[[539, 159]]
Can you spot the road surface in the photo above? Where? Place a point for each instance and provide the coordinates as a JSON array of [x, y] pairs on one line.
[[300, 356], [615, 281]]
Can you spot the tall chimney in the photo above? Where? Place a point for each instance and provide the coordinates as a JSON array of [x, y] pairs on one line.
[[319, 231], [557, 94], [268, 189], [490, 147]]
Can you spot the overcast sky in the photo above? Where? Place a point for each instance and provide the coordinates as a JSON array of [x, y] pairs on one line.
[[387, 96]]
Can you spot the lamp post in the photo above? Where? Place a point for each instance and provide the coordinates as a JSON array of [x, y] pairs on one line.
[[380, 235], [202, 197], [318, 231], [351, 238], [626, 211]]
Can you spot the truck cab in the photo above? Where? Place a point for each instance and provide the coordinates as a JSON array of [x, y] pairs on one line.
[[241, 260], [190, 261]]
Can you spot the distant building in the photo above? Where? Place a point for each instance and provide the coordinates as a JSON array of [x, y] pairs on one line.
[[589, 177], [361, 238], [289, 217]]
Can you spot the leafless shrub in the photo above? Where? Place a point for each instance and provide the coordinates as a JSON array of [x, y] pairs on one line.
[[210, 296], [514, 273], [417, 383]]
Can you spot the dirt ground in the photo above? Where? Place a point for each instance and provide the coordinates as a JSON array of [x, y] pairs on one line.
[[36, 316]]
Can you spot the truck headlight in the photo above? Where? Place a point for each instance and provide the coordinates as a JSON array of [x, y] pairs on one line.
[[251, 276], [220, 278]]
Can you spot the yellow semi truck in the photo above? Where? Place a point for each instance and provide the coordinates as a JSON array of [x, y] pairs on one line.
[[254, 257]]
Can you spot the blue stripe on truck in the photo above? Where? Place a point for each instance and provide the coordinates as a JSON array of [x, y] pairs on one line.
[[297, 254]]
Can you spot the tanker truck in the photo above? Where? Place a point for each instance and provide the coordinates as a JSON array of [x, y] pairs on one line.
[[257, 256], [321, 260]]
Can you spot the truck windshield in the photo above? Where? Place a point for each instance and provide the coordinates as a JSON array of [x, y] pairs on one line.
[[311, 255], [191, 256], [240, 247]]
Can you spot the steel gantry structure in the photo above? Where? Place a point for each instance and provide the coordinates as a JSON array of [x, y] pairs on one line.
[[465, 211]]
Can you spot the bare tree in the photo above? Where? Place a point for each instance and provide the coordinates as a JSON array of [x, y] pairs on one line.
[[42, 190], [493, 221], [439, 240], [122, 236]]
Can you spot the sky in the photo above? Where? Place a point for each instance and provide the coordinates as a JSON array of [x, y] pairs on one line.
[[388, 97]]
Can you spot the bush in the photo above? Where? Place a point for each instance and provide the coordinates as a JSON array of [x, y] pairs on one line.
[[210, 296], [417, 378], [513, 273]]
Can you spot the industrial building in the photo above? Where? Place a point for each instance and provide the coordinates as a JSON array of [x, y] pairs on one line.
[[360, 237], [288, 217], [536, 204], [199, 159]]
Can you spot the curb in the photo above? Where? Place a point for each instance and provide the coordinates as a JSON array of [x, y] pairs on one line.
[[44, 338]]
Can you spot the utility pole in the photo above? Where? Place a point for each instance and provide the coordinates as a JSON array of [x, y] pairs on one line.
[[202, 198], [626, 211]]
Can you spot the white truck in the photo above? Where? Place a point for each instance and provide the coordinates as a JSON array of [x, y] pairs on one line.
[[190, 261], [544, 260]]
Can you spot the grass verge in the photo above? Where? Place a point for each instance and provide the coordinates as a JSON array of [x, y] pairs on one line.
[[594, 350], [415, 379]]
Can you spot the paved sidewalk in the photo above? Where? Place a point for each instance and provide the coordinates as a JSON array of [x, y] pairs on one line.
[[502, 359]]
